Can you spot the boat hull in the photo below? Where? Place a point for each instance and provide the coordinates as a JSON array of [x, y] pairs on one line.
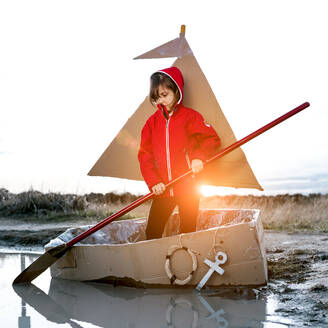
[[145, 263]]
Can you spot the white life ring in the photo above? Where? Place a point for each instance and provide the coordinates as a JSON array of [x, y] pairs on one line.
[[171, 276]]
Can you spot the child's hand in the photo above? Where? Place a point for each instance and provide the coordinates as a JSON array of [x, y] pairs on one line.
[[196, 165], [158, 188]]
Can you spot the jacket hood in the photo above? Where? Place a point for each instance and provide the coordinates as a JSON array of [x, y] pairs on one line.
[[176, 76]]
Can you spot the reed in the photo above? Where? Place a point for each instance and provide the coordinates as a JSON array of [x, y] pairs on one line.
[[282, 212], [36, 206]]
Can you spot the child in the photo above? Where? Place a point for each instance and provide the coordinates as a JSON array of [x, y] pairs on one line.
[[174, 140]]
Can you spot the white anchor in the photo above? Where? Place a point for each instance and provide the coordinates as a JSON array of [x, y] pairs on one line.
[[220, 258], [218, 315]]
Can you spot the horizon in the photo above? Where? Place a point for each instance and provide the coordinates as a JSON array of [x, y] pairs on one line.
[[207, 191]]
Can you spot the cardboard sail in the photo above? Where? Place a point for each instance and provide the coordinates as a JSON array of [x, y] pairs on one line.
[[120, 160]]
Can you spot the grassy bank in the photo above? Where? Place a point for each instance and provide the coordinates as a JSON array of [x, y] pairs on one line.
[[281, 212], [34, 206]]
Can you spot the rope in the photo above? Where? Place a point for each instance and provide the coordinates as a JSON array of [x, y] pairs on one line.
[[173, 278]]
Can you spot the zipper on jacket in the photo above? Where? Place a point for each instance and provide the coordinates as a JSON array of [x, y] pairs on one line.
[[168, 159], [188, 159]]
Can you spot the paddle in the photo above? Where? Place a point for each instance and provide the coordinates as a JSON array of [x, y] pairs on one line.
[[52, 255]]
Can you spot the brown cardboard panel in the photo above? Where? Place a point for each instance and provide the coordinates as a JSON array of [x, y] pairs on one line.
[[143, 262], [178, 47]]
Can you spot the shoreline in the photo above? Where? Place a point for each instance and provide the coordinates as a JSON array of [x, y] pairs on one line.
[[38, 236]]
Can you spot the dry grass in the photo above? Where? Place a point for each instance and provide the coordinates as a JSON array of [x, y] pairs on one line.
[[104, 210], [34, 205], [281, 212]]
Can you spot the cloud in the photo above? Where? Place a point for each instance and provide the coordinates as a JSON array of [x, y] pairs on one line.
[[315, 183]]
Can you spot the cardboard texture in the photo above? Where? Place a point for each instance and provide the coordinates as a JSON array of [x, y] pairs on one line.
[[120, 158], [143, 263]]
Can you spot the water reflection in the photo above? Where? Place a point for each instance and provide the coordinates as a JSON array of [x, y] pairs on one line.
[[24, 321], [43, 304], [79, 304], [108, 306]]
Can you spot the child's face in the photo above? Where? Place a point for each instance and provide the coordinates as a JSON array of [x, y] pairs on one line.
[[166, 97]]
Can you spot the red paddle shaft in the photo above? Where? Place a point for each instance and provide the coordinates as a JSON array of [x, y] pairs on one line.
[[222, 153]]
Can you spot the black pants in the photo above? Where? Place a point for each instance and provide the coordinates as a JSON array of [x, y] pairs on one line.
[[162, 208]]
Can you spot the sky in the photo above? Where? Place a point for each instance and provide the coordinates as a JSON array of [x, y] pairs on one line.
[[68, 83]]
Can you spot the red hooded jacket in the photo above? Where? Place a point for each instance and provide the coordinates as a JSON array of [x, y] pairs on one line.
[[170, 143]]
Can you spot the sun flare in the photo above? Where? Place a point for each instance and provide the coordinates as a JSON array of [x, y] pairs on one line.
[[208, 191]]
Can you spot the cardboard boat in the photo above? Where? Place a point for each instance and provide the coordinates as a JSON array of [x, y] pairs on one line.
[[119, 253]]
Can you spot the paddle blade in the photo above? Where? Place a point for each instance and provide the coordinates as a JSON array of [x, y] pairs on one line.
[[41, 264]]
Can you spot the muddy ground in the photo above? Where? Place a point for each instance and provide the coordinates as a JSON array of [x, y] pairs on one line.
[[298, 276]]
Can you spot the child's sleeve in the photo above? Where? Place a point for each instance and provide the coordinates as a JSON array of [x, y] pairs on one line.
[[146, 158], [203, 139]]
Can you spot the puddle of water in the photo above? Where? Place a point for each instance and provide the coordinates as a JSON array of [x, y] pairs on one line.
[[52, 302]]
